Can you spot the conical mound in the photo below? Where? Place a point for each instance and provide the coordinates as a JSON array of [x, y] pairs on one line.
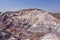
[[29, 24]]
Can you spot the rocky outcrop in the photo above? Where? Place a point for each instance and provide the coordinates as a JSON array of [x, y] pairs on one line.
[[29, 24]]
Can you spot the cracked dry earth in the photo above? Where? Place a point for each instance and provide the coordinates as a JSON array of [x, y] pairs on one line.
[[29, 24]]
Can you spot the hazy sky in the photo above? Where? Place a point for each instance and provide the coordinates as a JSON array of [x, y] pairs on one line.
[[48, 5]]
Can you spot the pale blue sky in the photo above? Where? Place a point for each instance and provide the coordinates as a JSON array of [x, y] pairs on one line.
[[47, 5]]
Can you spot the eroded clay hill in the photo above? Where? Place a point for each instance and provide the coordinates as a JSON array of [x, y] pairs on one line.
[[29, 24]]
